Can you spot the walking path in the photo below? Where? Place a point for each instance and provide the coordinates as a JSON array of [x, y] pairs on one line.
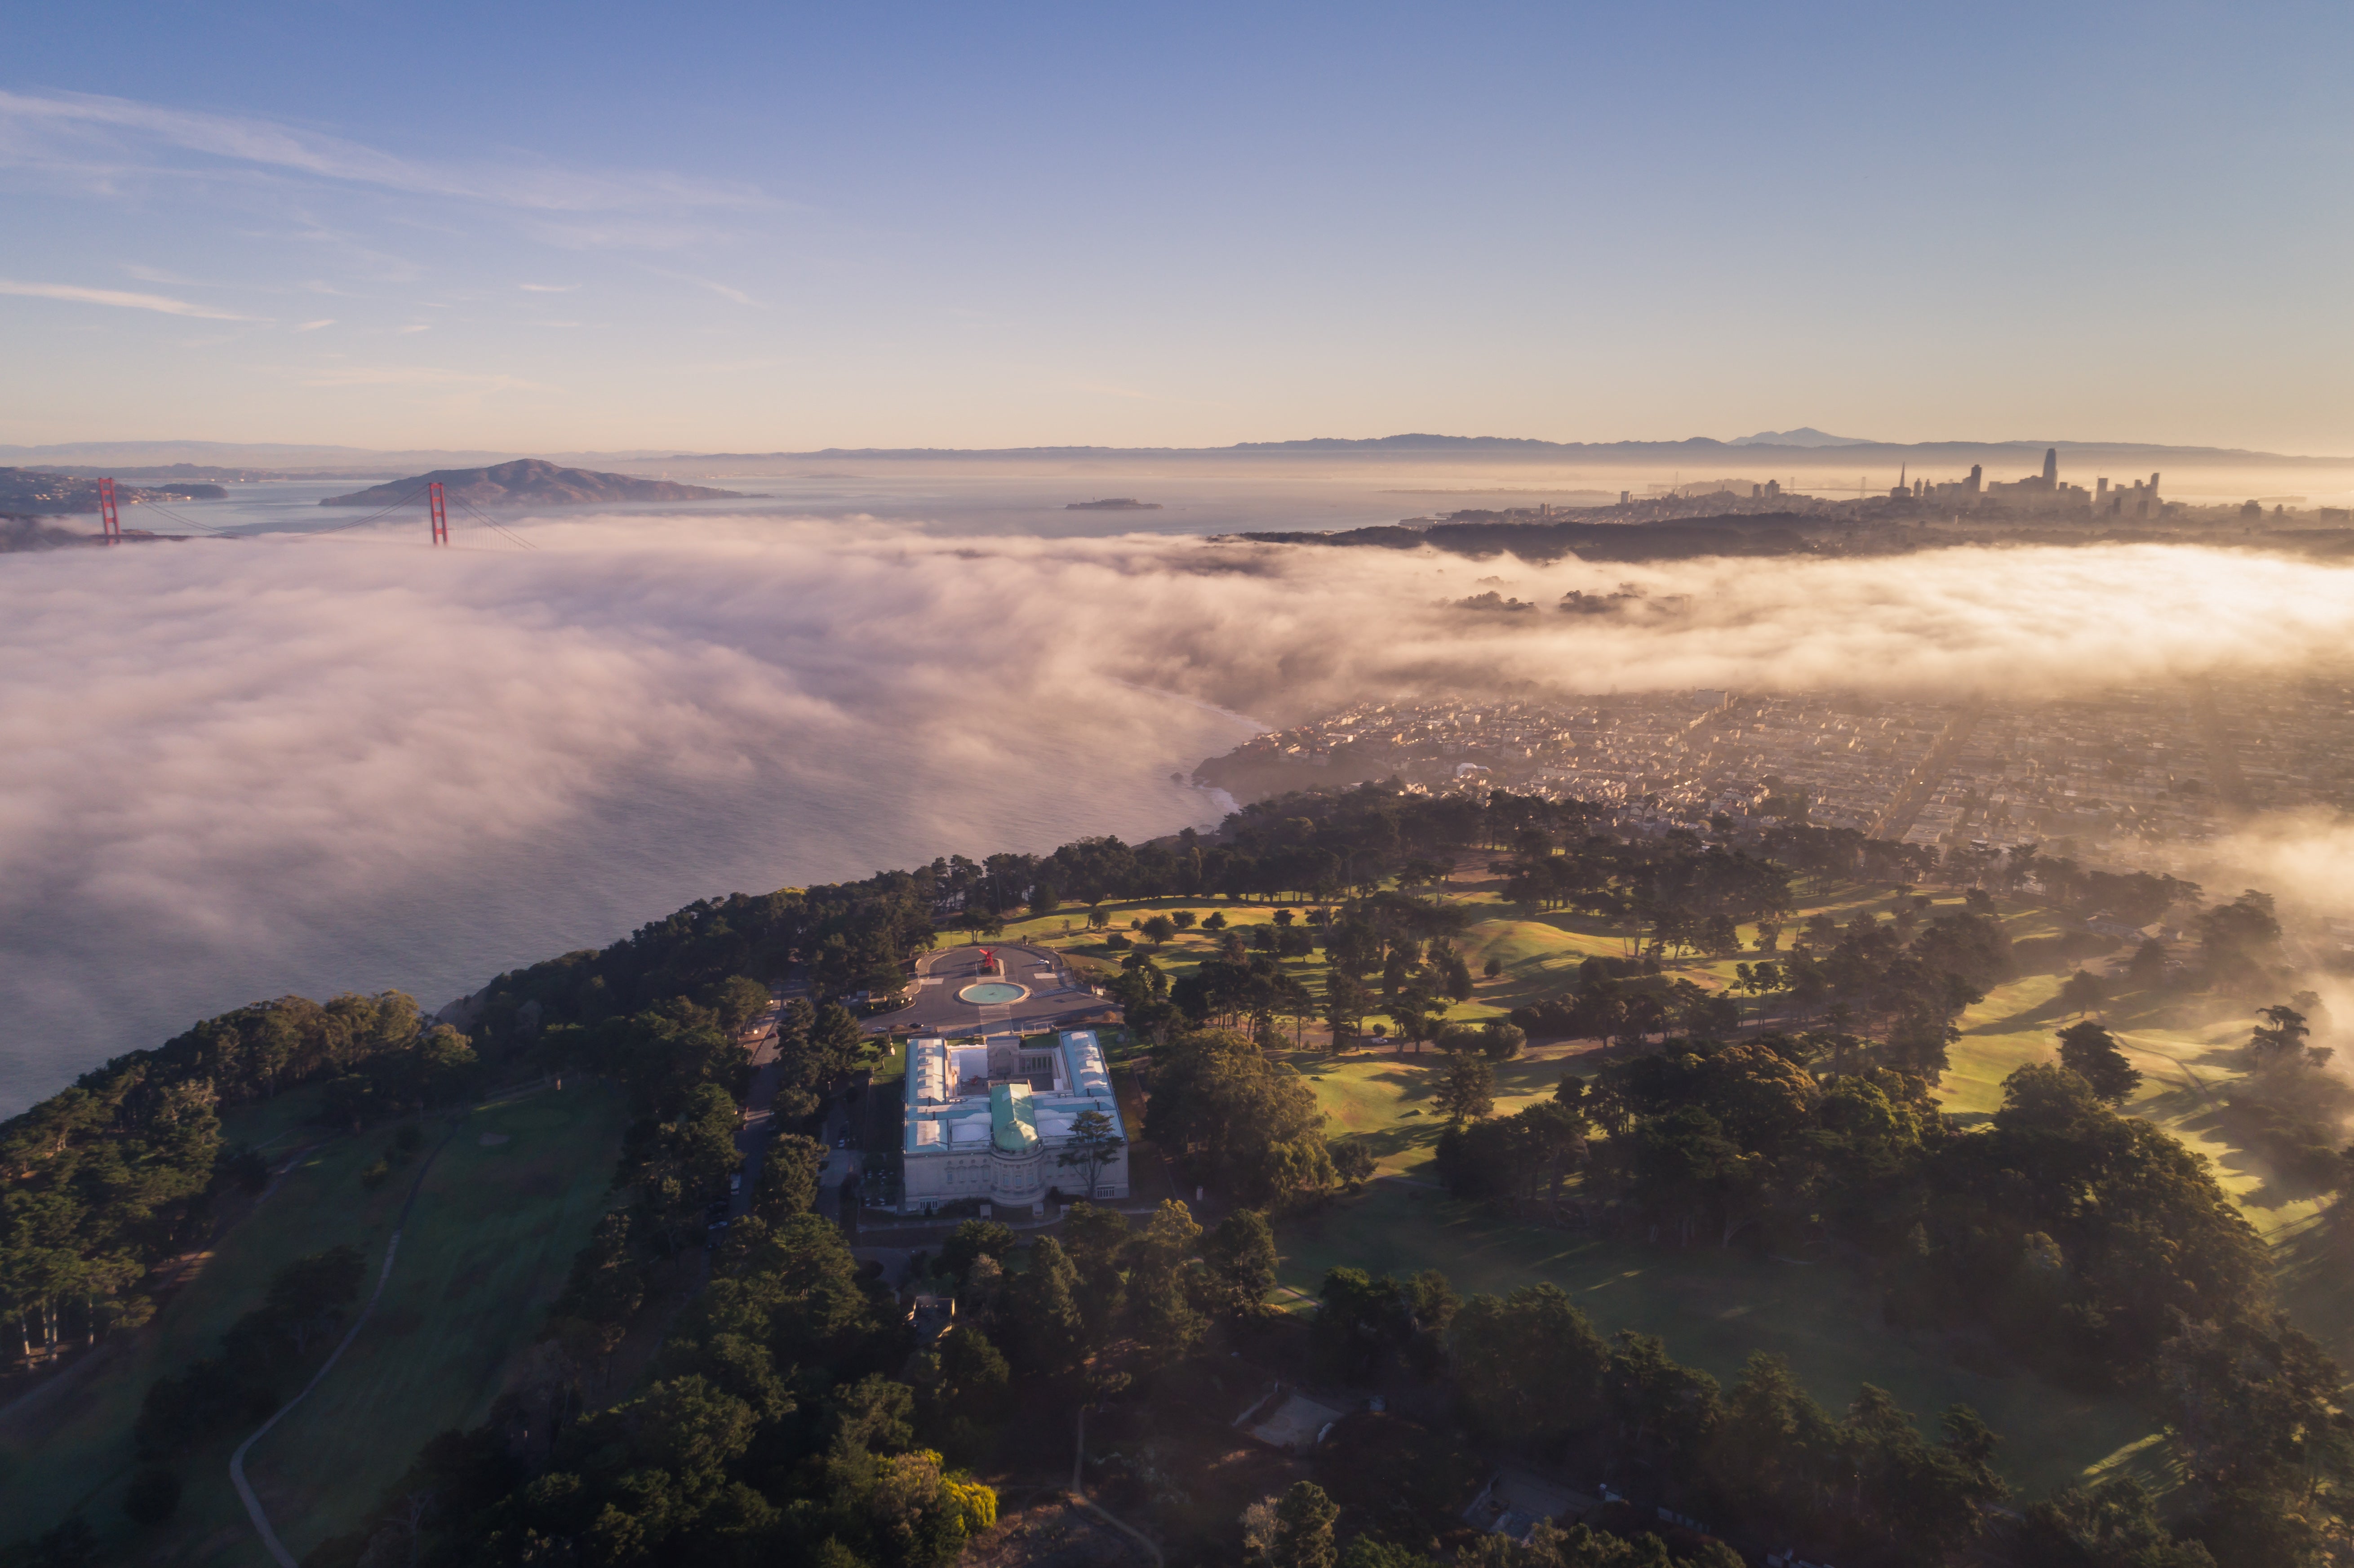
[[237, 1461]]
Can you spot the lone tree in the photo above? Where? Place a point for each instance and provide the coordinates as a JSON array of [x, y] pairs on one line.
[[2082, 992], [2279, 1041], [1303, 1527], [1242, 1262], [1351, 1161], [1093, 1145], [1500, 1041], [2091, 1053], [1294, 1530], [973, 1241], [310, 1293], [1466, 1086]]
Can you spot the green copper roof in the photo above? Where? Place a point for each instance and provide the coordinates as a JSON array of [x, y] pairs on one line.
[[1012, 1125]]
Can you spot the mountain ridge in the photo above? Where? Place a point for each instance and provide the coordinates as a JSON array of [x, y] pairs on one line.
[[283, 458], [531, 481]]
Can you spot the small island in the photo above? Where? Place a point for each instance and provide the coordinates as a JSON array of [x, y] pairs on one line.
[[531, 481], [1114, 504]]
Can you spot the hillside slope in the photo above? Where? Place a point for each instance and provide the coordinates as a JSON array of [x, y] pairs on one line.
[[530, 482]]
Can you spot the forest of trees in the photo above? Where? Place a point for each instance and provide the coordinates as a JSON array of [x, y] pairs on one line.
[[781, 1414], [102, 1181], [2089, 1245]]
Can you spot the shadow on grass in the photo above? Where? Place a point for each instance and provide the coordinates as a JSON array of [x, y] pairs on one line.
[[2229, 1061], [2177, 1106], [2052, 1013], [2313, 1270], [1422, 1135], [1528, 1075]]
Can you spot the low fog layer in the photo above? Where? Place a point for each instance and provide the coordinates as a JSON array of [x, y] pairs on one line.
[[229, 769]]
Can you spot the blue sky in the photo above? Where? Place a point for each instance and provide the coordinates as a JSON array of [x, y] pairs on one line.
[[762, 227]]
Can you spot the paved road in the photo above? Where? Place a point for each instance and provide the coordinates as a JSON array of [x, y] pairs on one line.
[[1055, 996], [760, 1125], [759, 1116]]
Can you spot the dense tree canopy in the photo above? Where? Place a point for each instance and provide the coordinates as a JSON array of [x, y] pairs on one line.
[[1250, 1126]]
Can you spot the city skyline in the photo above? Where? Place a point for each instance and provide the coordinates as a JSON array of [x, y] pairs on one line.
[[795, 231]]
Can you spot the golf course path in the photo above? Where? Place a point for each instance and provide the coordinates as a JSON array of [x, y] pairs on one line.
[[237, 1461]]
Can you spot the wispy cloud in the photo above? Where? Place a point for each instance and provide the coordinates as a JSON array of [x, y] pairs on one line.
[[157, 275], [548, 288], [119, 298], [64, 130], [314, 326], [417, 326]]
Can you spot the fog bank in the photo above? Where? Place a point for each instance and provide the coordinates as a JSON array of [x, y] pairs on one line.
[[229, 769]]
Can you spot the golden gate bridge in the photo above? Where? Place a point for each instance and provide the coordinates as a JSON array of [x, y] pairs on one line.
[[436, 516]]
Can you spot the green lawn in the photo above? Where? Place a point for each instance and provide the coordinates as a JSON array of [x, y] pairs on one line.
[[1540, 950], [1712, 1307], [488, 1243], [1715, 1307], [1384, 1101], [486, 1250]]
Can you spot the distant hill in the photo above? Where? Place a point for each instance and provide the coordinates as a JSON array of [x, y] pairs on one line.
[[1804, 435], [172, 471], [530, 482], [1811, 450]]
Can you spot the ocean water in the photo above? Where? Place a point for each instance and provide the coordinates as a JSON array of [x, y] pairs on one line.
[[989, 505]]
